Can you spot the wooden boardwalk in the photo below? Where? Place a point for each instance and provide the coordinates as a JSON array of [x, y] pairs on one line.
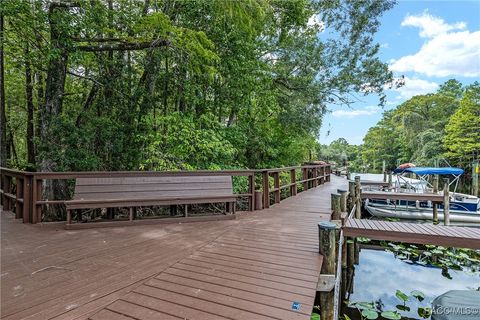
[[255, 267], [421, 233]]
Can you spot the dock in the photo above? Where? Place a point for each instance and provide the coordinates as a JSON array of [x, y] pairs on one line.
[[262, 265], [418, 233]]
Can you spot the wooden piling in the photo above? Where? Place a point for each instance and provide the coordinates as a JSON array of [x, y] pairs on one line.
[[336, 206], [446, 202], [358, 199], [351, 195], [343, 199], [434, 204], [326, 245], [390, 178]]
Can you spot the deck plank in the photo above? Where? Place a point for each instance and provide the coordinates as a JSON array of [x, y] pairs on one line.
[[253, 267]]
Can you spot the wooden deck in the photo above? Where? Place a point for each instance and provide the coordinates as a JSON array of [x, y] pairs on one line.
[[449, 236], [254, 267]]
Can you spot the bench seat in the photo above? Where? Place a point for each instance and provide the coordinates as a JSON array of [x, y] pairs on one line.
[[131, 192]]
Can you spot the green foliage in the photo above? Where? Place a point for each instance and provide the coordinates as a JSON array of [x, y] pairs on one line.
[[184, 84], [462, 138], [342, 153], [426, 128]]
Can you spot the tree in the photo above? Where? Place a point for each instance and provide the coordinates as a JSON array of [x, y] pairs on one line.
[[462, 138]]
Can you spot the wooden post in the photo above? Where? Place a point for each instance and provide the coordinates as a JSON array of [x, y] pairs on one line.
[[35, 198], [343, 199], [293, 181], [251, 190], [326, 245], [358, 199], [446, 202], [258, 200], [384, 171], [390, 178], [276, 184], [475, 171], [27, 198], [434, 204], [315, 176], [351, 195], [266, 189], [69, 216], [336, 206], [20, 199], [305, 177], [350, 252], [185, 213], [38, 208], [130, 213]]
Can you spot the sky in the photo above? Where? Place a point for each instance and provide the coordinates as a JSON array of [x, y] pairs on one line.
[[429, 42]]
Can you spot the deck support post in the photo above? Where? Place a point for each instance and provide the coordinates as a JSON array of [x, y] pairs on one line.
[[336, 206], [326, 245], [390, 178], [434, 204], [358, 199], [130, 213], [343, 199], [351, 195], [446, 201]]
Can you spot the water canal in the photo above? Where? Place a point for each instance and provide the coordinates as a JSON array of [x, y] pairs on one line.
[[383, 272]]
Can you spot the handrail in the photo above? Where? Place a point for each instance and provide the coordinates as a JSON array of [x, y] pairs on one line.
[[28, 186]]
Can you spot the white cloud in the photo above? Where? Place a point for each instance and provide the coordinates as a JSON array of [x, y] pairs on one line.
[[356, 112], [414, 87], [431, 26], [449, 51]]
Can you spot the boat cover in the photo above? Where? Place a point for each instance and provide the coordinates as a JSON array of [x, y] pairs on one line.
[[430, 170], [457, 305]]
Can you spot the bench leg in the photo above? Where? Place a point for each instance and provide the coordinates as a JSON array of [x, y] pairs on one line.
[[69, 216]]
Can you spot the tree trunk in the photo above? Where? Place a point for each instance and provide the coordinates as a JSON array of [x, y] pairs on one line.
[[4, 144], [30, 110], [54, 91]]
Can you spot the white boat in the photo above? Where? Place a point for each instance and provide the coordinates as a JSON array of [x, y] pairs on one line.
[[464, 209]]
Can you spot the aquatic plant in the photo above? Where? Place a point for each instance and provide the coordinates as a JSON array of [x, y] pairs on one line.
[[372, 310], [438, 256]]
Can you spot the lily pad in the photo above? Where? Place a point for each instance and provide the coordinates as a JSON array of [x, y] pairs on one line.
[[370, 314], [418, 294], [392, 315], [402, 296]]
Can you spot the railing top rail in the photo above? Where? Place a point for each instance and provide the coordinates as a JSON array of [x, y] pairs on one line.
[[309, 166]]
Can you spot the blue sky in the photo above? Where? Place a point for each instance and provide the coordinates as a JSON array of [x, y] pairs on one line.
[[428, 42]]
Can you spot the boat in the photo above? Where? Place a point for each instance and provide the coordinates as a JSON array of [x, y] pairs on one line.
[[457, 305], [464, 208]]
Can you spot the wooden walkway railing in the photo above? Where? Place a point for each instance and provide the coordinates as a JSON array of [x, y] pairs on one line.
[[24, 191]]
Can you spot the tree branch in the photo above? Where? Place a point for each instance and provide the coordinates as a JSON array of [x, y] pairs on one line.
[[124, 46]]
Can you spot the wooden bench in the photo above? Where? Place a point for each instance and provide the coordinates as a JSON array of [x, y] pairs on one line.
[[130, 192]]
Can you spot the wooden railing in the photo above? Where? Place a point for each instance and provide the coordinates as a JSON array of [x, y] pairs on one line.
[[24, 191], [311, 177]]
